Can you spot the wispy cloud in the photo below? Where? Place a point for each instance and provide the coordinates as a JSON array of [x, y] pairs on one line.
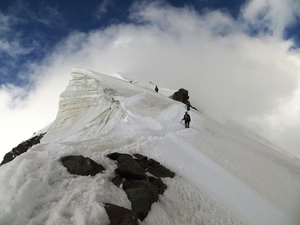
[[48, 16], [44, 14], [271, 16], [9, 43], [231, 74], [18, 46], [102, 8], [6, 21]]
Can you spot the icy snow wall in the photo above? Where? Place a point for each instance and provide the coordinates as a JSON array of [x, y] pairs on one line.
[[86, 94]]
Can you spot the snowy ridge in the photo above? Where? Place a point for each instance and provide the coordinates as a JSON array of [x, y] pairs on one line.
[[90, 106], [85, 95], [222, 176]]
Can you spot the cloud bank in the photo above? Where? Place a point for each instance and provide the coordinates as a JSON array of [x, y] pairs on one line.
[[236, 69]]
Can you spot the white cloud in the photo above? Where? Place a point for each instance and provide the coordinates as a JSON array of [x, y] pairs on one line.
[[4, 22], [44, 13], [48, 16], [230, 75], [102, 8], [9, 40], [273, 15]]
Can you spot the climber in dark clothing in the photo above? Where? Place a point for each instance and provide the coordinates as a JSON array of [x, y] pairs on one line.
[[187, 120], [156, 88], [188, 105]]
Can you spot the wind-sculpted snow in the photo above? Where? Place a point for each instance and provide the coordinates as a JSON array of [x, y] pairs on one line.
[[87, 108], [222, 177]]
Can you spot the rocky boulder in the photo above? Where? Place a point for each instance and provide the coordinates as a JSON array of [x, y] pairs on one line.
[[157, 182], [142, 190], [120, 216], [153, 167], [181, 95], [79, 165], [118, 180], [128, 167], [141, 194], [22, 148]]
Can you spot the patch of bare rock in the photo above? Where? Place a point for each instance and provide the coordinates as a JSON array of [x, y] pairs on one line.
[[139, 176], [21, 148]]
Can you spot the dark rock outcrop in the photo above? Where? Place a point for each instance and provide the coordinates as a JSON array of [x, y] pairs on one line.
[[117, 180], [141, 190], [142, 161], [120, 216], [79, 165], [141, 194], [156, 169], [157, 182], [22, 148], [128, 167], [115, 155], [181, 95], [153, 167]]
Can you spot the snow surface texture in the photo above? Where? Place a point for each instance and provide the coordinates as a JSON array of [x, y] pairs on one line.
[[222, 177]]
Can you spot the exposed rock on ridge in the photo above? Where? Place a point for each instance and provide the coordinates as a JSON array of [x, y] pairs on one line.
[[77, 164], [142, 190], [120, 216], [21, 148], [181, 95]]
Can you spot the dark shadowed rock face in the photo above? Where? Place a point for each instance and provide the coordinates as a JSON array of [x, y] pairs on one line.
[[181, 95], [153, 167], [117, 180], [22, 148], [115, 155], [79, 165], [128, 167], [137, 166], [141, 194], [120, 216], [141, 190], [157, 182]]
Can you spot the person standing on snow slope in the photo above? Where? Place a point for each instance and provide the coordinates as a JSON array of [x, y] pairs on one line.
[[187, 119], [188, 105]]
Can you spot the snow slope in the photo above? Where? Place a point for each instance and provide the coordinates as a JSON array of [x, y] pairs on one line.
[[222, 176]]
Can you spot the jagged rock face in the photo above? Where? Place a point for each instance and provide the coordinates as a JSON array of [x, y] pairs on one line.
[[141, 194], [141, 190], [79, 165], [117, 180], [181, 95], [154, 167], [157, 182], [137, 167], [22, 148], [128, 167], [120, 216]]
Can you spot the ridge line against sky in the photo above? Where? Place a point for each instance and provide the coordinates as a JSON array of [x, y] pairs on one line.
[[240, 59]]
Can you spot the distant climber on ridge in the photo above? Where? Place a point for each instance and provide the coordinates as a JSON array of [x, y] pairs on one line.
[[188, 105], [187, 119], [156, 88]]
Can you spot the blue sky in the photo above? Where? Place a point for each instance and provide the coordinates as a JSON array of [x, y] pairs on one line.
[[240, 60], [32, 28]]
